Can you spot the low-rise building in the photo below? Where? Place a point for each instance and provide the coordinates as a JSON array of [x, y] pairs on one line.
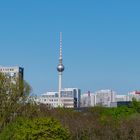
[[69, 98], [120, 103], [49, 98], [134, 94], [121, 98]]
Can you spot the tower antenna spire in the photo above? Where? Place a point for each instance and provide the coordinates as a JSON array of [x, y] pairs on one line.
[[60, 45]]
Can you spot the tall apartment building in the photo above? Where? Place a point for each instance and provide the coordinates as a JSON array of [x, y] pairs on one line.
[[108, 98], [85, 100], [13, 72], [99, 98], [88, 100], [105, 97], [69, 98]]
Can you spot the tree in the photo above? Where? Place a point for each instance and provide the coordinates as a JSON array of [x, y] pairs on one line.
[[13, 95], [135, 105], [35, 129]]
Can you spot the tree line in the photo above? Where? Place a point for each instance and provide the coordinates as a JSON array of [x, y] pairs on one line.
[[22, 119]]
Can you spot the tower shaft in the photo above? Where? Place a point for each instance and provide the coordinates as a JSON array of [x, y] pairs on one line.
[[59, 83]]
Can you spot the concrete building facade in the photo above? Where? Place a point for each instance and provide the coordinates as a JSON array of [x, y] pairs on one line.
[[134, 94], [88, 99], [119, 98], [99, 98], [105, 97], [70, 98], [13, 72]]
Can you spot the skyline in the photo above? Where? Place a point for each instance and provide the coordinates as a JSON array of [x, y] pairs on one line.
[[100, 43]]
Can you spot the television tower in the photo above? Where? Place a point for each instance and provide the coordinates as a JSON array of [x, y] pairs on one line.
[[60, 69]]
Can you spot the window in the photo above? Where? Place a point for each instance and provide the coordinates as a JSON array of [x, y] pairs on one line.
[[66, 94]]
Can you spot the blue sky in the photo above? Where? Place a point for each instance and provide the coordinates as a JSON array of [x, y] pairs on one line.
[[101, 42]]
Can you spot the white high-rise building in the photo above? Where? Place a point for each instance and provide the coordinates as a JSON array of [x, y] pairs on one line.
[[88, 99], [93, 100], [105, 97], [99, 98], [85, 100]]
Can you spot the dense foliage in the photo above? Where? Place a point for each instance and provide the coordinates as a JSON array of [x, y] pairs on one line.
[[35, 129], [99, 123]]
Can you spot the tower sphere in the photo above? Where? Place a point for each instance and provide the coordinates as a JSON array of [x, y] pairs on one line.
[[60, 68]]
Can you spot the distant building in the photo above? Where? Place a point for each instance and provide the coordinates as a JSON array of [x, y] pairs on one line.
[[121, 98], [13, 72], [85, 100], [88, 99], [70, 98], [120, 103], [134, 94], [49, 98], [105, 97], [93, 100], [99, 98], [108, 98]]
